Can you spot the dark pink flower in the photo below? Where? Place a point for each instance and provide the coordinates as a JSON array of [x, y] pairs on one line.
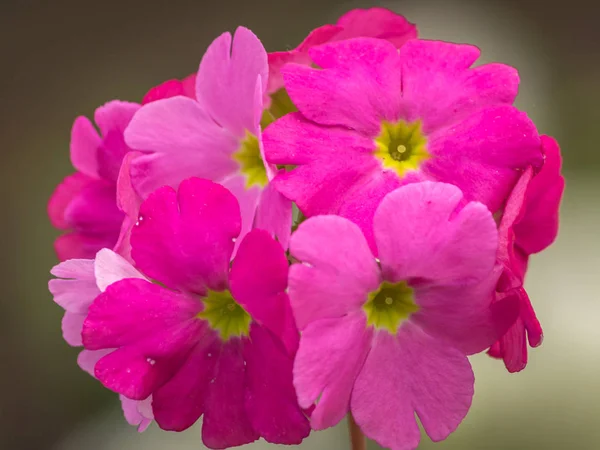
[[372, 118], [209, 339], [529, 224], [172, 88]]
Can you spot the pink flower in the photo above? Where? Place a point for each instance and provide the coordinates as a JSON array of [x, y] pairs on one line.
[[374, 118], [373, 22], [529, 224], [84, 203], [172, 88], [74, 290], [388, 337], [209, 339], [216, 136]]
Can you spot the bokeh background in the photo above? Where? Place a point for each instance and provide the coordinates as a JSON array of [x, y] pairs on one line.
[[64, 58]]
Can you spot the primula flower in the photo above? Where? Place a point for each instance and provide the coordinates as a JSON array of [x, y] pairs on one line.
[[373, 22], [84, 204], [529, 224], [385, 338], [215, 136], [373, 118], [205, 339], [172, 88], [75, 288]]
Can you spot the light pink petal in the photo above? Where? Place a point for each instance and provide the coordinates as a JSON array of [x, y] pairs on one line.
[[330, 356], [539, 226], [132, 410], [407, 373], [226, 422], [440, 89], [62, 197], [132, 309], [185, 239], [378, 23], [80, 245], [182, 400], [110, 267], [485, 153], [71, 325], [358, 86], [84, 147], [336, 269], [274, 214], [87, 359], [137, 370], [75, 288], [439, 243], [258, 282], [227, 77], [270, 396], [186, 141]]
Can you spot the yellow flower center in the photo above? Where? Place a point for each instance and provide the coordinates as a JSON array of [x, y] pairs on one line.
[[251, 162], [390, 305], [401, 146], [225, 315]]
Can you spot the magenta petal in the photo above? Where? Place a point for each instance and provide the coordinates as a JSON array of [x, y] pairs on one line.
[[439, 88], [80, 245], [185, 239], [226, 422], [439, 242], [329, 358], [258, 281], [84, 147], [62, 197], [182, 400], [274, 214], [186, 141], [93, 211], [336, 270], [378, 23], [87, 359], [407, 373], [137, 370], [172, 88], [132, 309], [75, 289], [358, 86], [227, 77], [270, 396]]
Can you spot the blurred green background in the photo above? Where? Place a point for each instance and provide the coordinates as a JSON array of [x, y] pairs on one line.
[[64, 58]]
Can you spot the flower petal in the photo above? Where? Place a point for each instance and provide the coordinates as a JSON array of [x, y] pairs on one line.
[[76, 289], [172, 88], [63, 195], [87, 359], [421, 235], [336, 270], [378, 23], [110, 267], [81, 245], [85, 142], [71, 325], [407, 373], [274, 214], [185, 239], [135, 412]]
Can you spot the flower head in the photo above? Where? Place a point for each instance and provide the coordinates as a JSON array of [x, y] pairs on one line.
[[209, 339], [84, 203], [372, 118], [529, 224], [389, 337], [216, 135]]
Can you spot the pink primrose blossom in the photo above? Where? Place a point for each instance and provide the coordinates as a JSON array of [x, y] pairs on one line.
[[205, 338], [388, 337], [373, 118], [529, 224]]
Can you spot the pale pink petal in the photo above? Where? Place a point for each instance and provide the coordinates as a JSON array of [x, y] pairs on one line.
[[378, 23], [109, 267], [87, 359], [407, 373], [439, 88], [186, 141], [422, 234], [485, 153], [336, 269], [182, 400], [258, 282], [71, 325], [84, 147], [137, 370], [132, 309], [226, 81], [75, 288], [132, 412], [270, 400], [185, 239], [358, 86], [226, 422], [330, 356], [274, 214]]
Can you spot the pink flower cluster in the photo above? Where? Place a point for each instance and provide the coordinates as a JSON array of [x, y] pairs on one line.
[[279, 240]]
